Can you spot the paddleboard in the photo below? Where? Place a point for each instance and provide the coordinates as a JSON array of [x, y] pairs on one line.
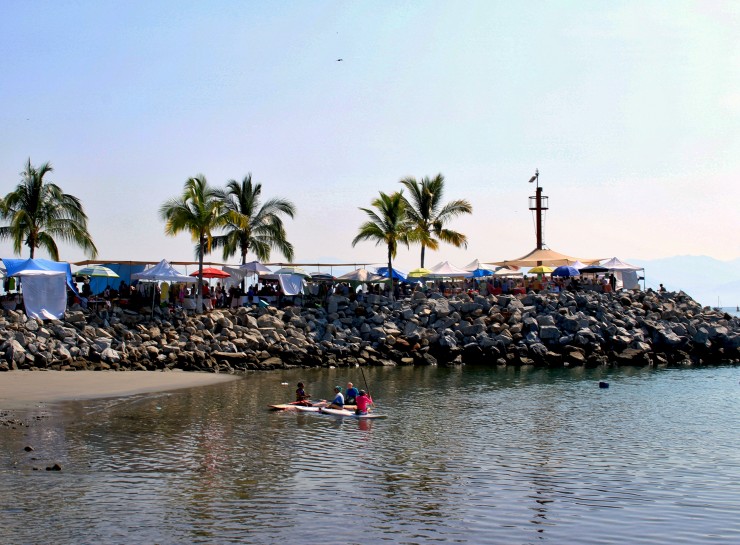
[[293, 404], [306, 409], [350, 414]]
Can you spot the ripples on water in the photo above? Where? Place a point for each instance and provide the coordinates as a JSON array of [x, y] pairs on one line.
[[467, 456]]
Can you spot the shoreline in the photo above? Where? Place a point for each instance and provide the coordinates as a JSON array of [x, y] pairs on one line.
[[20, 390]]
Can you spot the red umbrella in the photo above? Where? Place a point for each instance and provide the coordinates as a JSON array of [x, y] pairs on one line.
[[210, 272]]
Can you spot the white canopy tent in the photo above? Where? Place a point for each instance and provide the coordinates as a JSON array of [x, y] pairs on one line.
[[361, 275], [625, 273], [164, 272], [505, 271], [446, 270], [615, 264]]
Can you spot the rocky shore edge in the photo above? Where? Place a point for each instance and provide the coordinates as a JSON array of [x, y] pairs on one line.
[[546, 330]]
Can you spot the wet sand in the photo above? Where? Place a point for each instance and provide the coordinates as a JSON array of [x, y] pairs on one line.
[[26, 389]]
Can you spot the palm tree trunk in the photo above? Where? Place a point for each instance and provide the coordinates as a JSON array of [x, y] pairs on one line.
[[423, 247], [390, 274], [244, 278], [199, 297]]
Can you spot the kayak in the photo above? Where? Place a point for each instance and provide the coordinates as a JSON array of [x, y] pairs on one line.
[[350, 414]]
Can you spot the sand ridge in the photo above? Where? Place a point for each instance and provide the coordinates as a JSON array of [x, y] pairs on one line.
[[25, 389]]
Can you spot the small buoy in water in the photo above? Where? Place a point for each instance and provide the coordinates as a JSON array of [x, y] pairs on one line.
[[284, 383], [603, 384]]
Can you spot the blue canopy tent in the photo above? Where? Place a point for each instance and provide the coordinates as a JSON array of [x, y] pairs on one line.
[[44, 292], [383, 271], [481, 273], [14, 267]]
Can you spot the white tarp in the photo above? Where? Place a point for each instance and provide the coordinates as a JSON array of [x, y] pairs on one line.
[[291, 284], [44, 294], [627, 280]]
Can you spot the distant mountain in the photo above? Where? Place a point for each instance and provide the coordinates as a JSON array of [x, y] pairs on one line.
[[704, 278]]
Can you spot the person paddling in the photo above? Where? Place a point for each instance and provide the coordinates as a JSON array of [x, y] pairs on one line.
[[363, 401]]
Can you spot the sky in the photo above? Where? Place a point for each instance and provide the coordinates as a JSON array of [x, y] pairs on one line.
[[629, 110]]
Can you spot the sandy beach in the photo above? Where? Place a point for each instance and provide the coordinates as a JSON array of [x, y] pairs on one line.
[[25, 389]]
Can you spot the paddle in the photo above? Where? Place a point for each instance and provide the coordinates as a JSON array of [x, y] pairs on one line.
[[367, 388]]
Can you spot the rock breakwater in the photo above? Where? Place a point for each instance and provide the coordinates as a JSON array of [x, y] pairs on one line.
[[549, 330]]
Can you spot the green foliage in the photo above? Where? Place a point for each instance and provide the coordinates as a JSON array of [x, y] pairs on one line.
[[198, 211], [251, 225], [40, 213], [388, 224], [429, 215]]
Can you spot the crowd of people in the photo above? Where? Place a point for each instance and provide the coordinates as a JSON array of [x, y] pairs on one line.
[[182, 295], [542, 283]]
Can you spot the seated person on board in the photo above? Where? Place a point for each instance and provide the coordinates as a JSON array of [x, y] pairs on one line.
[[301, 396], [338, 401], [363, 402], [352, 393]]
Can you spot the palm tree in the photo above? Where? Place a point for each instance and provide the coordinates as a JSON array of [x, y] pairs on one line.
[[251, 225], [198, 211], [40, 212], [426, 211], [388, 225]]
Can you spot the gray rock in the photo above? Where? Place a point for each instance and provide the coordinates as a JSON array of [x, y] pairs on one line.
[[110, 355], [549, 333], [545, 319]]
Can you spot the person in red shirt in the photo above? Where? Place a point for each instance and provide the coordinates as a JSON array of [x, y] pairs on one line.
[[363, 401]]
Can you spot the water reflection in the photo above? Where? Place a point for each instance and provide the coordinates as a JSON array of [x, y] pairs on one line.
[[468, 455]]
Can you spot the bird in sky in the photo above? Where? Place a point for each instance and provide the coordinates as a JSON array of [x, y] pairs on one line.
[[340, 60]]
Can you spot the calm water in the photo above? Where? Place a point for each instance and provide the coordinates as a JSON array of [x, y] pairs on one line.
[[466, 456]]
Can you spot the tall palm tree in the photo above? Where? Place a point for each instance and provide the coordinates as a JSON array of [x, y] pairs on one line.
[[40, 212], [251, 225], [426, 211], [197, 211], [387, 225]]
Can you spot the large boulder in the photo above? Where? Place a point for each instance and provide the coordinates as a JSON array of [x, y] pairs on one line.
[[549, 333]]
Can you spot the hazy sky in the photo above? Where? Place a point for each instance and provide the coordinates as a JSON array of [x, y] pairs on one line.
[[630, 111]]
